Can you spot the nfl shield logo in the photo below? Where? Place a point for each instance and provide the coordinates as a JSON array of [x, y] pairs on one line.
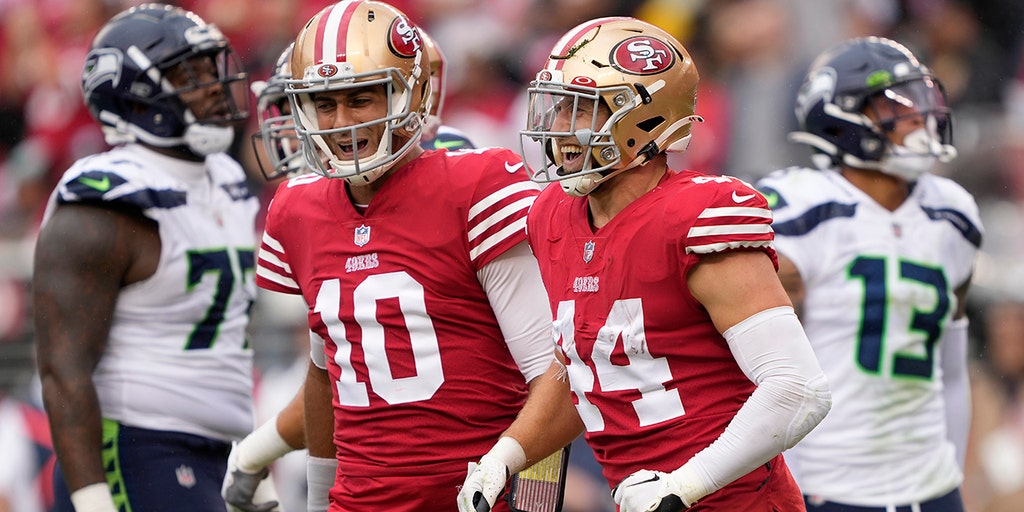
[[362, 235], [588, 251], [186, 477]]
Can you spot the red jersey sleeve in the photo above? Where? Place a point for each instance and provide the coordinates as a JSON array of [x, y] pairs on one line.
[[735, 216], [503, 196]]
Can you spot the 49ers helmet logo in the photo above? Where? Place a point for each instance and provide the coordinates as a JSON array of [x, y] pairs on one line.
[[403, 39], [642, 55], [327, 70]]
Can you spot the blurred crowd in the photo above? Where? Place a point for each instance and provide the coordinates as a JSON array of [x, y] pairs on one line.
[[751, 54]]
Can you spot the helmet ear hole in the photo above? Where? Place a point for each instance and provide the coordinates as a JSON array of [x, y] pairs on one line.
[[650, 124]]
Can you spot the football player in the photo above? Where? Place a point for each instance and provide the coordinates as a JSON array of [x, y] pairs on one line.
[[877, 253], [430, 336], [278, 144], [142, 282], [685, 358]]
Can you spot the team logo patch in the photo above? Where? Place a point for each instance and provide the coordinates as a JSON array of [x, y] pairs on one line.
[[584, 81], [404, 40], [362, 235], [186, 477], [588, 251], [327, 70], [642, 55]]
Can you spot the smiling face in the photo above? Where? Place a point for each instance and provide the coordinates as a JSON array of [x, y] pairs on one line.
[[570, 115], [354, 117]]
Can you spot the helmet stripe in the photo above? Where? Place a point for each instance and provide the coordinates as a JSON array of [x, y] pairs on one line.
[[328, 47]]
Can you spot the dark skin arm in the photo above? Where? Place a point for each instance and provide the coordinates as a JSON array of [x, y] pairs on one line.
[[319, 413], [84, 255]]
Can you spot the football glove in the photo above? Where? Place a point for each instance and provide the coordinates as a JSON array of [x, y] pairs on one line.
[[484, 484], [648, 491], [487, 479], [248, 492]]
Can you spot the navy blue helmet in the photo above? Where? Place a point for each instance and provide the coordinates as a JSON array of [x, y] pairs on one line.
[[142, 62], [833, 99]]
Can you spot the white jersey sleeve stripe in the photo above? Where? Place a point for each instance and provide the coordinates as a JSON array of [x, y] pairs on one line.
[[729, 229], [496, 238], [271, 242], [270, 275], [499, 216], [724, 246], [272, 259], [499, 195], [736, 211]]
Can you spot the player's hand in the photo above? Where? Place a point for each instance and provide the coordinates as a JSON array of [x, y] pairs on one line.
[[647, 491], [484, 484], [247, 492]]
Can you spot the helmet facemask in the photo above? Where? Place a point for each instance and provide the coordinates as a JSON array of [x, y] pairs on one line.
[[402, 125], [214, 130], [854, 98], [276, 141], [348, 47], [584, 153], [641, 81], [920, 102]]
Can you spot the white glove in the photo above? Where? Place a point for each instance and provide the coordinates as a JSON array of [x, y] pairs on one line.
[[649, 491], [486, 480], [248, 492]]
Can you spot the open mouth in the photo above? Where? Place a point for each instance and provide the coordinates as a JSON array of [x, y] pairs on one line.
[[349, 150], [572, 156]]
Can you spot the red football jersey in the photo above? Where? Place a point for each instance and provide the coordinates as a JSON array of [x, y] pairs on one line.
[[424, 382], [652, 378]]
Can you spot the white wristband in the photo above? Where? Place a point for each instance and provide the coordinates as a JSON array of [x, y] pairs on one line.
[[687, 484], [261, 447], [320, 475], [93, 498], [509, 452]]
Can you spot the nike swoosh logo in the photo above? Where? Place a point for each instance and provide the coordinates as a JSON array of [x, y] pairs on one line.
[[738, 198], [448, 144], [772, 198], [513, 168], [102, 185], [653, 478]]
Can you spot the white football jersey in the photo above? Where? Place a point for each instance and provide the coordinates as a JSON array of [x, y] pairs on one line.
[[879, 291], [178, 358]]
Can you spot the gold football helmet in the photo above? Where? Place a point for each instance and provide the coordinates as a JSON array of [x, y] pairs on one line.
[[437, 77], [642, 74], [354, 44]]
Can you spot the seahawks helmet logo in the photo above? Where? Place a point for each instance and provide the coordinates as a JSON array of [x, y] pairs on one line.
[[102, 66]]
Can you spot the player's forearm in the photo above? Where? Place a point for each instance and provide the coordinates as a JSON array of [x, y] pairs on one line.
[[548, 420], [291, 421], [319, 414], [76, 427], [791, 398]]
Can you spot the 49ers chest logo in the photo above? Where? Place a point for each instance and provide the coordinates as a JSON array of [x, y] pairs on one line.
[[403, 39], [641, 55]]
